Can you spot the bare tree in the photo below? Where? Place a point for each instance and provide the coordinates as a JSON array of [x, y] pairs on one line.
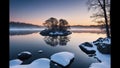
[[63, 24], [54, 25], [51, 23], [102, 16]]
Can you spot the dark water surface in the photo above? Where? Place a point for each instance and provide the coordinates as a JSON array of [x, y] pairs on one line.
[[32, 41]]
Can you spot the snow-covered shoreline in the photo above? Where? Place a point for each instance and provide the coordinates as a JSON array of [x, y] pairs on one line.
[[104, 59]]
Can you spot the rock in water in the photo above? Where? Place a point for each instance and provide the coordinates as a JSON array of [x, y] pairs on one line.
[[87, 44], [40, 51], [24, 55], [87, 49], [62, 58], [104, 48]]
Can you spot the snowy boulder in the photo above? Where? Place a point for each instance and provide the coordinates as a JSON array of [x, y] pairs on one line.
[[24, 55], [62, 58], [87, 44], [103, 45], [104, 48], [15, 62], [87, 49], [100, 41], [40, 63]]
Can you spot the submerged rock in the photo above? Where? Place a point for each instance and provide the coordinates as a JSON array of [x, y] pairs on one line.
[[62, 58], [24, 55]]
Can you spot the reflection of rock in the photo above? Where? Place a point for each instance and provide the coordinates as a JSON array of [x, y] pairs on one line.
[[54, 33], [56, 40], [24, 55]]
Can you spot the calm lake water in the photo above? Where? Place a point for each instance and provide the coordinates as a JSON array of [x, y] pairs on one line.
[[32, 41]]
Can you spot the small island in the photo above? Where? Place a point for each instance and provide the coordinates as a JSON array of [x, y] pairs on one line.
[[56, 28]]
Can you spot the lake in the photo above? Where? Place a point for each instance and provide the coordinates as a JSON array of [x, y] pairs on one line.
[[30, 40]]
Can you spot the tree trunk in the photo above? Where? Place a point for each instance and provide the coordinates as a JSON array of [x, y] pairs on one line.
[[106, 20]]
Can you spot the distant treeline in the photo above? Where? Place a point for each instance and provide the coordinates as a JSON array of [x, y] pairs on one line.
[[96, 26], [22, 25]]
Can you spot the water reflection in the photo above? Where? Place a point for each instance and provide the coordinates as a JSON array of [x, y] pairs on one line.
[[21, 32], [57, 40]]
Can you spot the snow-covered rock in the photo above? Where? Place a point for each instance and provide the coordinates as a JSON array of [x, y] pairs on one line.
[[15, 62], [56, 33], [62, 58], [102, 41], [104, 59], [87, 48], [24, 55], [40, 51], [40, 63]]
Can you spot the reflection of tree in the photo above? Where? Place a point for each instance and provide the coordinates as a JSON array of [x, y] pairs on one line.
[[52, 41], [56, 40], [63, 40]]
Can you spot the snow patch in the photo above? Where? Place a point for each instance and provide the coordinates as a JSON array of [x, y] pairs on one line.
[[40, 63], [15, 62], [62, 58], [40, 51], [19, 66], [100, 65], [56, 33], [26, 52]]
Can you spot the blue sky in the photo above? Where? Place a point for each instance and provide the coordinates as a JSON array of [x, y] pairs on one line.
[[37, 11]]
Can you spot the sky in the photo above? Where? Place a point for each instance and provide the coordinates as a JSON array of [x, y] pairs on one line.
[[37, 11]]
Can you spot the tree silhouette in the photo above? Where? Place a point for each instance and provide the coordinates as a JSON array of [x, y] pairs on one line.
[[102, 16], [51, 24], [63, 25], [54, 25]]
